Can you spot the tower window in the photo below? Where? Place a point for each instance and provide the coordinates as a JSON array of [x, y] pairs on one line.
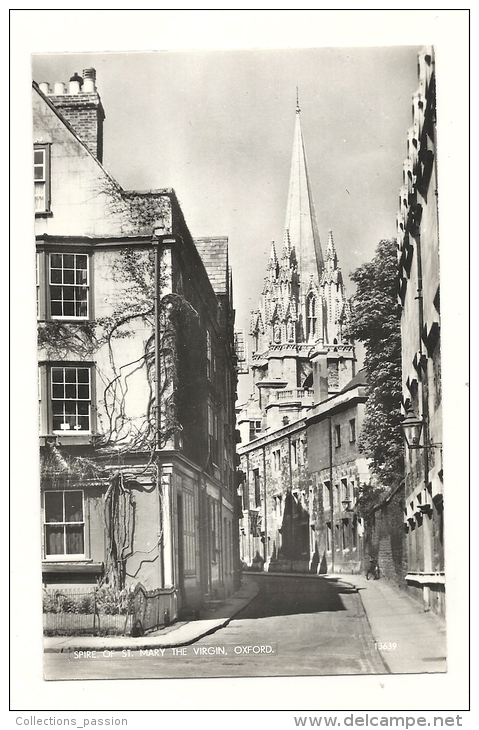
[[352, 429], [337, 436], [209, 356], [257, 488]]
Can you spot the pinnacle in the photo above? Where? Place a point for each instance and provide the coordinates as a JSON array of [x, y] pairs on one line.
[[273, 258]]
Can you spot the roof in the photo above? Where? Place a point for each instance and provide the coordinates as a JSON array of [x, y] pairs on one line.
[[359, 379]]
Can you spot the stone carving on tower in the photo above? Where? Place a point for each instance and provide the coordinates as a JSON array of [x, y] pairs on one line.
[[302, 322]]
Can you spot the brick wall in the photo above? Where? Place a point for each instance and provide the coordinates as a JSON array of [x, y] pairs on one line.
[[85, 114], [385, 538]]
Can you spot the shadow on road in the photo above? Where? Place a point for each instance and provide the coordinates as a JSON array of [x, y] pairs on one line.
[[289, 596]]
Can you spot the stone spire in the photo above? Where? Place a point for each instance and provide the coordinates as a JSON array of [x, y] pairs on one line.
[[301, 228], [303, 317]]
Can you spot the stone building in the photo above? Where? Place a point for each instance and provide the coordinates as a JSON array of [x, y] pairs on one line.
[[337, 474], [419, 300], [137, 375], [301, 357]]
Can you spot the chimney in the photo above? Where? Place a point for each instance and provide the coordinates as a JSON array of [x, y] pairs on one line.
[[82, 108]]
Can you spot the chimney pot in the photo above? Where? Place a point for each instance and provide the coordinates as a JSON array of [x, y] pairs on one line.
[[44, 87], [89, 77], [76, 82], [59, 88]]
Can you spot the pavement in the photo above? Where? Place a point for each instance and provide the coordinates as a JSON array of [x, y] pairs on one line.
[[408, 639]]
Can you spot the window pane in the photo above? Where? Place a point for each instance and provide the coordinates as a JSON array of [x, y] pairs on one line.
[[70, 375], [69, 309], [70, 407], [81, 261], [56, 293], [38, 157], [57, 375], [58, 391], [54, 540], [74, 506], [68, 293], [83, 392], [69, 276], [58, 420], [83, 408], [83, 375], [53, 506], [71, 391], [74, 540], [56, 260], [81, 276], [68, 260], [40, 198], [81, 309], [83, 423]]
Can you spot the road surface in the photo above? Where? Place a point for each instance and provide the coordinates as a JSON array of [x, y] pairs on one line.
[[294, 627]]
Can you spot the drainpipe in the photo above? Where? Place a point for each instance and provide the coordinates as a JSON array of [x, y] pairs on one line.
[[249, 538], [292, 501], [156, 298], [265, 550], [331, 492]]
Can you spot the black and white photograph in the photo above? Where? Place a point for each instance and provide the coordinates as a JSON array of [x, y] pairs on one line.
[[240, 373]]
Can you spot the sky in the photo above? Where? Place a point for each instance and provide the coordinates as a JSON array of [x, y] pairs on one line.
[[217, 126]]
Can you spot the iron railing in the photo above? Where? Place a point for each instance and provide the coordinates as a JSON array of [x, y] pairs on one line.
[[103, 611]]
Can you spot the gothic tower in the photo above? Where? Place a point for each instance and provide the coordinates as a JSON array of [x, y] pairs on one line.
[[301, 324]]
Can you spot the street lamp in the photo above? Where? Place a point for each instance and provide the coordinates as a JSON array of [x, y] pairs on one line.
[[412, 428]]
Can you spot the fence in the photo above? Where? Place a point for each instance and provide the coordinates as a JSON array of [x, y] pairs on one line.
[[152, 609], [105, 611]]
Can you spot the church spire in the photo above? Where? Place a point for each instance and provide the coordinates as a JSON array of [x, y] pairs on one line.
[[301, 228]]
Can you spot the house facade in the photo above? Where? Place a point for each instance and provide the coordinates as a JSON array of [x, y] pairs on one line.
[[137, 376], [338, 473], [419, 301], [303, 364]]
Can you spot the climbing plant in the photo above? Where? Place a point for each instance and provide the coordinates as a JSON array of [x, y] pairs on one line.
[[138, 311]]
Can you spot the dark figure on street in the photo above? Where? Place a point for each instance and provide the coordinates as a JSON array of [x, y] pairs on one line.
[[373, 570]]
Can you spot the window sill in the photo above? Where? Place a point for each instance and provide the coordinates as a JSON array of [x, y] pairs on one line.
[[73, 439], [43, 214], [79, 566], [59, 318]]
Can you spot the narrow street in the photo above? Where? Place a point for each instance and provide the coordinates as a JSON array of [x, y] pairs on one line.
[[295, 626]]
